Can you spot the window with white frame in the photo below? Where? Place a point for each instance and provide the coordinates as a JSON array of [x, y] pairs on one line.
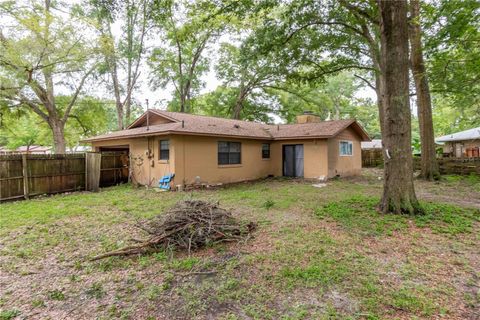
[[346, 148], [164, 153]]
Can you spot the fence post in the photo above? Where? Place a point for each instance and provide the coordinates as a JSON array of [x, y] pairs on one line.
[[25, 176], [92, 167], [86, 171]]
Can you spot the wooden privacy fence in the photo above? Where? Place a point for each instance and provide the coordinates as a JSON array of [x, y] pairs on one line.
[[463, 166], [28, 175], [372, 157]]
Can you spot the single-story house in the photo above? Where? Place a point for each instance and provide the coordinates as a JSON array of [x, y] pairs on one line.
[[27, 149], [374, 144], [34, 149], [211, 150], [461, 144]]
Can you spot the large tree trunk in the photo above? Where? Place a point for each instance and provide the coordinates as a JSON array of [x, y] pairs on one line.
[[380, 92], [429, 165], [58, 133], [398, 190], [238, 108]]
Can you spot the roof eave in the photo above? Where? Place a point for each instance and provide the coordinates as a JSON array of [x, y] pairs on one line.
[[358, 128]]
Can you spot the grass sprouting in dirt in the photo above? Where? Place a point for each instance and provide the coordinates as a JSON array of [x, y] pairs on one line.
[[318, 253]]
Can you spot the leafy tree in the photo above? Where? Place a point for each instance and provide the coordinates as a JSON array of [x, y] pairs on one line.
[[122, 55], [23, 131], [90, 116], [178, 59], [251, 75], [41, 52], [450, 118], [452, 50], [429, 166], [257, 106]]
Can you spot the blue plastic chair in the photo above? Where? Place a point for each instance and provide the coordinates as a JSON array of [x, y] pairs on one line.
[[164, 182]]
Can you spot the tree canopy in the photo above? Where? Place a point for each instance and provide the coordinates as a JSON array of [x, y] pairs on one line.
[[262, 60]]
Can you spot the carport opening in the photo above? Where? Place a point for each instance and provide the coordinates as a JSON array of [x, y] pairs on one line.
[[114, 166]]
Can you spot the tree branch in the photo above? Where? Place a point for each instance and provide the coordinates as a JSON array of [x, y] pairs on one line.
[[75, 95], [366, 81]]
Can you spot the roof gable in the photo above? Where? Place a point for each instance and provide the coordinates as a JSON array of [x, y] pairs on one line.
[[152, 118]]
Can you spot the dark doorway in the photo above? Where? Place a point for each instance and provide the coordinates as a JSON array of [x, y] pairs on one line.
[[293, 160], [114, 166]]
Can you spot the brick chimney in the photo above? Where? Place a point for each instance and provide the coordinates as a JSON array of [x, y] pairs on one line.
[[307, 117]]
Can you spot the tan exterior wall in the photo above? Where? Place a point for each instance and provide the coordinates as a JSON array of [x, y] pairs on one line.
[[315, 157], [344, 165], [197, 156], [145, 170]]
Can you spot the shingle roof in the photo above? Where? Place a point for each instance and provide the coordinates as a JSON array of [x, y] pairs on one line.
[[471, 134], [185, 123], [374, 144]]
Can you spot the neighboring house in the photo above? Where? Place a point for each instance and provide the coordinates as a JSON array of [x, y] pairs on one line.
[[461, 144], [374, 144], [201, 149], [4, 150], [78, 149], [33, 149]]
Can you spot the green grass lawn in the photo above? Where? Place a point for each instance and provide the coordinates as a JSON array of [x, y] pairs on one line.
[[318, 253]]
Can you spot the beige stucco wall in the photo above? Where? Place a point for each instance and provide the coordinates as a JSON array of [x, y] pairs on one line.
[[315, 157], [344, 165], [145, 170], [192, 156], [197, 156]]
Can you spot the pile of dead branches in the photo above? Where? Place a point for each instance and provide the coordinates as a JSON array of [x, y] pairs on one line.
[[189, 225]]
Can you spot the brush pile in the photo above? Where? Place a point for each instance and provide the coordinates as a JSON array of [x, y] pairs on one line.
[[189, 225]]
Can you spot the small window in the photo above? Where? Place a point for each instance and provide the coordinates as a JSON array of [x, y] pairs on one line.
[[164, 153], [229, 152], [346, 148], [265, 150]]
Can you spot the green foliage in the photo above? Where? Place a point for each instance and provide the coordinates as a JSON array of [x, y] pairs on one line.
[[9, 314], [359, 213], [56, 295], [453, 55], [22, 131], [186, 264], [268, 204], [413, 300], [96, 291], [324, 271], [221, 101], [188, 29], [90, 116]]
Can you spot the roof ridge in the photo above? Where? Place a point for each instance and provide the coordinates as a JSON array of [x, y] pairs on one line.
[[215, 117]]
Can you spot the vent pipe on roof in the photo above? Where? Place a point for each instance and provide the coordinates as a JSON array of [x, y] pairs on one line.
[[148, 116]]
